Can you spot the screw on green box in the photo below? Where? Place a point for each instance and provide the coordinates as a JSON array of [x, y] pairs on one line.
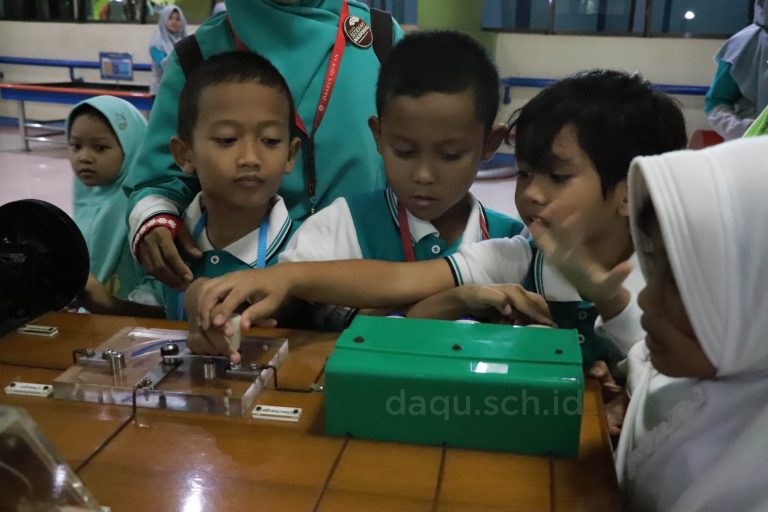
[[480, 386]]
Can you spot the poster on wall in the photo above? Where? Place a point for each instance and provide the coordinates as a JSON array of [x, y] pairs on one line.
[[116, 66]]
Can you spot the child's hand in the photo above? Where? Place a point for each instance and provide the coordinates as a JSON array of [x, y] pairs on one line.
[[160, 257], [96, 298], [614, 398], [592, 280], [511, 302], [212, 341], [264, 289]]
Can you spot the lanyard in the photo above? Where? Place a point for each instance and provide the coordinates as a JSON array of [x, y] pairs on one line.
[[307, 138], [261, 251], [405, 231]]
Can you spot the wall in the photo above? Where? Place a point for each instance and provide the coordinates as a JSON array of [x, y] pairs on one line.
[[660, 60], [70, 41], [673, 61]]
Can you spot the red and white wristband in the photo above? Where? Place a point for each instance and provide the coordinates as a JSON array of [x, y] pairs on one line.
[[162, 220]]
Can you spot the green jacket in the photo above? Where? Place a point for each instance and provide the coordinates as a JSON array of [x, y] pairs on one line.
[[297, 39]]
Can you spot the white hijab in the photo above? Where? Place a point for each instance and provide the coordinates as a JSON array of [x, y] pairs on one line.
[[163, 39], [692, 445]]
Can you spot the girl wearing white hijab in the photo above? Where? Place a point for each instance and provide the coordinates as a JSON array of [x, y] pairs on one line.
[[739, 90], [171, 28], [695, 437]]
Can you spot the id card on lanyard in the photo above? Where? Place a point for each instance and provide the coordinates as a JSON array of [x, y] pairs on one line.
[[307, 137], [405, 230]]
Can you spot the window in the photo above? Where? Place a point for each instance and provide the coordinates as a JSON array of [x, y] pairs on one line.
[[714, 18], [38, 10], [603, 16], [119, 11], [517, 15], [404, 11], [196, 11], [116, 11], [700, 17]]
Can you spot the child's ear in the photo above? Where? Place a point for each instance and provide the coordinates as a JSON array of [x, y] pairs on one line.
[[621, 194], [375, 125], [182, 153], [493, 140], [293, 150]]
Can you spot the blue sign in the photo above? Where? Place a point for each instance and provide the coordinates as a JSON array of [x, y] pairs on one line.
[[116, 66]]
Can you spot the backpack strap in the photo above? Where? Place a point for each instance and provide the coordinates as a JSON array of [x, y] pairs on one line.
[[381, 28], [189, 54]]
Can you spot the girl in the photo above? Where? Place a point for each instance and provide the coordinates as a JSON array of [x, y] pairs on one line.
[[694, 437], [104, 135], [171, 28]]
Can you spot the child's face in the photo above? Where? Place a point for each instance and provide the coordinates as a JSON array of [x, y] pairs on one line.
[[675, 350], [174, 22], [241, 146], [571, 186], [94, 151], [431, 146]]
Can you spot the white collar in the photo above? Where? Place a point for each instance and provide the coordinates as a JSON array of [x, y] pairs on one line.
[[245, 249], [423, 228]]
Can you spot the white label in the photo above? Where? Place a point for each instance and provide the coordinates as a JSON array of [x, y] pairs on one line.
[[276, 413], [38, 330], [28, 389]]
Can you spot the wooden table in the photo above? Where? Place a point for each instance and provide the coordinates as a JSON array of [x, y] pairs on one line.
[[168, 460]]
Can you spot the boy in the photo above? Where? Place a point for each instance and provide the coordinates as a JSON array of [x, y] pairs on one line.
[[235, 133], [437, 99], [575, 141], [299, 37]]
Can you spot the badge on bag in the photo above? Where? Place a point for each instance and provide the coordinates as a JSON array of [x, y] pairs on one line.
[[358, 32]]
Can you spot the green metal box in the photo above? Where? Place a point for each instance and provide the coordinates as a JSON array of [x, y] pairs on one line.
[[480, 386]]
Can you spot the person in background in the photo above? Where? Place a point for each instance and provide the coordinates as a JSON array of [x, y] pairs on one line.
[[338, 155], [739, 90], [104, 134], [171, 28]]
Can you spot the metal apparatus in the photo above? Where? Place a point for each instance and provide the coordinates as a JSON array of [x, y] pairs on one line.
[[155, 367]]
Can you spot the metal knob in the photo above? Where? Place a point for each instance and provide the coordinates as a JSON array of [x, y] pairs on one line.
[[116, 362], [170, 354], [209, 368]]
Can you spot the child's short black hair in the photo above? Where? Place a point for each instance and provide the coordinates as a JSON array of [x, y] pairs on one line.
[[442, 62], [617, 116], [228, 67], [89, 110]]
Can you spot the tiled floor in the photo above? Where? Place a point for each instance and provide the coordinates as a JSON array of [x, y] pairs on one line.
[[44, 173]]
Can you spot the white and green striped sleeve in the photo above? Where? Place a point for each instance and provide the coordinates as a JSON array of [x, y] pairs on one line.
[[495, 261]]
